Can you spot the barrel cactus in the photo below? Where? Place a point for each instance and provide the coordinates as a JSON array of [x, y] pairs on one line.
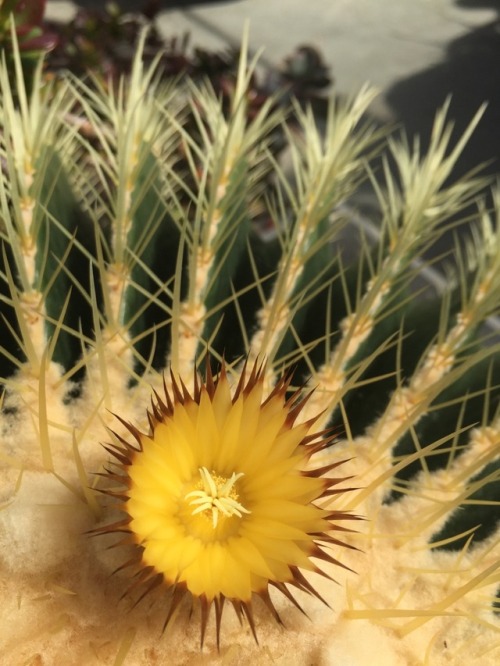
[[225, 446]]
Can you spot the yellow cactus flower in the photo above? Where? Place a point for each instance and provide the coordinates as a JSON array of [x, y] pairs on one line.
[[222, 498]]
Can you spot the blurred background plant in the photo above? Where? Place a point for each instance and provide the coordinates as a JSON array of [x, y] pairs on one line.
[[34, 38], [101, 42]]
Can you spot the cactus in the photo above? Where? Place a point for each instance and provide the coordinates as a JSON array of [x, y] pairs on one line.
[[179, 391]]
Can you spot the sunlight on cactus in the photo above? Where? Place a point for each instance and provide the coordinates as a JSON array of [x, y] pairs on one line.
[[212, 436]]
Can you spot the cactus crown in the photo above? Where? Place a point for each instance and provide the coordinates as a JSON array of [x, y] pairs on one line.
[[130, 246]]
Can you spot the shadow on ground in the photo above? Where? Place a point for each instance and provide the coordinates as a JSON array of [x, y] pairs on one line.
[[471, 75]]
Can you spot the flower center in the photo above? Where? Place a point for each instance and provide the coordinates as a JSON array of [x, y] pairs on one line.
[[217, 495]]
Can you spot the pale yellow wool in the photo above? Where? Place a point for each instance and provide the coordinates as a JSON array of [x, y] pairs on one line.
[[61, 603]]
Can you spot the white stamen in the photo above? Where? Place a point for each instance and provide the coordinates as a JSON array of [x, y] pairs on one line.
[[216, 496]]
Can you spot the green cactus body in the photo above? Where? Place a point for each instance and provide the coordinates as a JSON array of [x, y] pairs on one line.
[[121, 261]]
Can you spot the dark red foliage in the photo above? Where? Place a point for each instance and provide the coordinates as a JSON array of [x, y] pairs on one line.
[[103, 41]]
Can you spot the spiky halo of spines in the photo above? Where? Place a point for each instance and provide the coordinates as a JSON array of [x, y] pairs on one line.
[[163, 408]]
